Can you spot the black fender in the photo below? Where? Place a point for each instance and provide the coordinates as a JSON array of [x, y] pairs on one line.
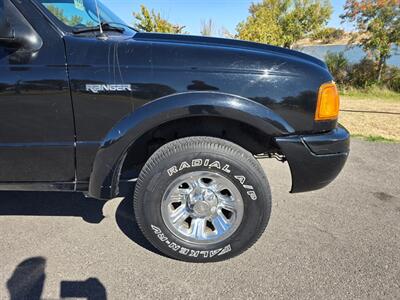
[[109, 158]]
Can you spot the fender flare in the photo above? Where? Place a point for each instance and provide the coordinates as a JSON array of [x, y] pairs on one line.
[[108, 161]]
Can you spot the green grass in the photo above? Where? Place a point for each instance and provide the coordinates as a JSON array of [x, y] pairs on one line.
[[374, 138], [374, 92]]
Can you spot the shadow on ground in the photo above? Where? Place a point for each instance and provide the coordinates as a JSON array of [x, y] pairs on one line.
[[125, 217], [68, 204], [28, 280], [58, 204]]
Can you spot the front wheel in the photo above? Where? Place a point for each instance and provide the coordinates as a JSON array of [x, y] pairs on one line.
[[202, 199]]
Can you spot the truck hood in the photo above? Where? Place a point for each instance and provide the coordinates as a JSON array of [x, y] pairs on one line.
[[221, 42]]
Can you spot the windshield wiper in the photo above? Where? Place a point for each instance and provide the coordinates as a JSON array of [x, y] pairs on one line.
[[105, 26], [122, 24]]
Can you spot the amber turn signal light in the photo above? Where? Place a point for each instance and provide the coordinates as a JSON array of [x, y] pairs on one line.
[[328, 102]]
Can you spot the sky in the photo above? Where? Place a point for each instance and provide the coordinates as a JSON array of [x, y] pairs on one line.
[[191, 13]]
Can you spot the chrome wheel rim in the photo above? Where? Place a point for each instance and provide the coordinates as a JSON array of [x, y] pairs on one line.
[[202, 207]]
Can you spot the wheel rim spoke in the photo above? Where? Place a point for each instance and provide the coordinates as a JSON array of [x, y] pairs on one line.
[[220, 223], [227, 203], [218, 186], [183, 191], [179, 215], [198, 227], [176, 197]]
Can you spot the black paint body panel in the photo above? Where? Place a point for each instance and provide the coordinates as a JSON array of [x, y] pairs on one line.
[[36, 117], [335, 141], [56, 132], [158, 66], [315, 161]]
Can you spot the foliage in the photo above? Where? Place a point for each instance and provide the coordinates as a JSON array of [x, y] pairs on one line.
[[151, 21], [207, 28], [339, 66], [284, 22], [378, 22], [362, 74], [225, 33], [374, 92], [328, 35], [59, 13], [392, 79], [262, 25], [374, 138]]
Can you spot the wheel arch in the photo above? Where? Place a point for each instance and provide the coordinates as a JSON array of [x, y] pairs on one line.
[[124, 138]]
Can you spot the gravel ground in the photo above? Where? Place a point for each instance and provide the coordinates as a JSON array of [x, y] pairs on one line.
[[340, 242]]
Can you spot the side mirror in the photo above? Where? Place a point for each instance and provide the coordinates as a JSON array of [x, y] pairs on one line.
[[7, 34], [15, 31], [7, 37]]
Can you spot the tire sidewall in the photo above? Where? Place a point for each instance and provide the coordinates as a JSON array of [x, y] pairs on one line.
[[254, 190]]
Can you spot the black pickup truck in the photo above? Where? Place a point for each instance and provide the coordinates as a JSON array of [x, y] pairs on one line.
[[87, 101]]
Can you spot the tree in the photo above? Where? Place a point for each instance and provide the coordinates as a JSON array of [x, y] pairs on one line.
[[225, 33], [328, 35], [284, 22], [378, 23], [338, 65], [262, 25], [207, 28], [59, 13], [152, 21]]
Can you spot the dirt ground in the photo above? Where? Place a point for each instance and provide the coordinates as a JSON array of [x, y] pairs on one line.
[[371, 117]]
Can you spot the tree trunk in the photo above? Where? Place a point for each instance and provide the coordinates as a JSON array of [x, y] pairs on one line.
[[381, 67], [288, 45]]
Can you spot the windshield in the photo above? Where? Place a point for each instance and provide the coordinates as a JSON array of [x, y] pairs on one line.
[[79, 14]]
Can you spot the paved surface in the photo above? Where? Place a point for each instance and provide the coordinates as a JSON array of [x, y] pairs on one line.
[[340, 242]]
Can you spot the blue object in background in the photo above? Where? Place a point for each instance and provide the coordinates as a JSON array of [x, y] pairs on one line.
[[353, 53]]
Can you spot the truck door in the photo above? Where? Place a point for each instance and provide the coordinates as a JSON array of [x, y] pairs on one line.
[[37, 132]]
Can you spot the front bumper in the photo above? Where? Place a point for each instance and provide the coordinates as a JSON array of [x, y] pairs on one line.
[[315, 160]]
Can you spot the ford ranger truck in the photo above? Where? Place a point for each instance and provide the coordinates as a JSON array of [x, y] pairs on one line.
[[87, 102]]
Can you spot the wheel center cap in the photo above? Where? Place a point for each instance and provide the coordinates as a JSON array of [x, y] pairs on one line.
[[203, 203], [202, 209]]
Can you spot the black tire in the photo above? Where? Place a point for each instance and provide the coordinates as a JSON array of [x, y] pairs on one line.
[[245, 173]]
